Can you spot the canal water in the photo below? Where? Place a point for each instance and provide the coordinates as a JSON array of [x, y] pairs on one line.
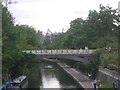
[[49, 75]]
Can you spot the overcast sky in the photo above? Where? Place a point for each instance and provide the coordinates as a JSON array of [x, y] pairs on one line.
[[54, 14]]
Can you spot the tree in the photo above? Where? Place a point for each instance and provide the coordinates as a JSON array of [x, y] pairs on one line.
[[99, 30], [9, 38], [16, 38]]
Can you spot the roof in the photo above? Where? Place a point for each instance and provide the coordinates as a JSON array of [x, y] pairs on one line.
[[19, 79]]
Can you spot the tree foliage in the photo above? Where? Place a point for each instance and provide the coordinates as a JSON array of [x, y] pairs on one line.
[[97, 31], [15, 39]]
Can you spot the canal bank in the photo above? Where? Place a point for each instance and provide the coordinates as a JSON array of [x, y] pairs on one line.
[[53, 77], [80, 78], [110, 76]]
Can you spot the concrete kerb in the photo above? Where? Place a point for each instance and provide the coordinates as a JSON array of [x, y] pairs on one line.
[[79, 82], [83, 84]]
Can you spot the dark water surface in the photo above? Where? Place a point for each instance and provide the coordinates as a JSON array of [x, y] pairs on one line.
[[49, 75]]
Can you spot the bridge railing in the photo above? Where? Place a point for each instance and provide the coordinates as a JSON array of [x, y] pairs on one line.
[[43, 52]]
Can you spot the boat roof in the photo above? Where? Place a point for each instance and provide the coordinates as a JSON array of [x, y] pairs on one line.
[[19, 79]]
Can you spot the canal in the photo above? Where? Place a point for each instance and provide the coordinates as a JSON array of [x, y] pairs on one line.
[[49, 75]]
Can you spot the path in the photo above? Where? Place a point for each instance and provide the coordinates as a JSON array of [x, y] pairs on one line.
[[83, 80]]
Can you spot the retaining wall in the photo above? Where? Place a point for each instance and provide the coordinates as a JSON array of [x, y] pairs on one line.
[[109, 78]]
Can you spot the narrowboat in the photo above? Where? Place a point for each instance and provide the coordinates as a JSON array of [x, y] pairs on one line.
[[18, 83]]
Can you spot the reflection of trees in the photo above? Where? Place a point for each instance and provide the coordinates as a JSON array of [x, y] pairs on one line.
[[64, 79], [56, 72], [34, 79]]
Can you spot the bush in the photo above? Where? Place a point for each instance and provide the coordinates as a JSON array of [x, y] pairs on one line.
[[109, 58], [113, 67]]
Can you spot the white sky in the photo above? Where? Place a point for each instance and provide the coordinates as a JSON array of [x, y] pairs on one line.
[[54, 14]]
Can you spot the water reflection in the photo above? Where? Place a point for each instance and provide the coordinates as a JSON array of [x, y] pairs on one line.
[[49, 79], [50, 82], [34, 75], [55, 78]]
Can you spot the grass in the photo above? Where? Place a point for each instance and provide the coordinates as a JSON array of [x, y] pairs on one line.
[[0, 83], [105, 85]]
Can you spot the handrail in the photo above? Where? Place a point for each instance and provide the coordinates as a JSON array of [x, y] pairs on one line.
[[42, 52]]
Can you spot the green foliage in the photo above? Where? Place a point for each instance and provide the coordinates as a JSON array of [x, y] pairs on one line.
[[33, 74], [15, 39], [27, 37], [109, 58], [105, 85], [93, 68], [97, 31]]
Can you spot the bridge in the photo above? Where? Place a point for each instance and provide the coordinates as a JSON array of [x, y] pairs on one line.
[[51, 52], [81, 55]]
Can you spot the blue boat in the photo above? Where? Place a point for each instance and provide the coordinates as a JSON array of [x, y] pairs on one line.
[[4, 85], [18, 83]]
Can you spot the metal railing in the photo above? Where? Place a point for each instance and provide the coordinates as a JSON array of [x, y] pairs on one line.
[[42, 52]]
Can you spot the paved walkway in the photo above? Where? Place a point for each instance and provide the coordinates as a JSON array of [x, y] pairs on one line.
[[83, 80], [111, 73]]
